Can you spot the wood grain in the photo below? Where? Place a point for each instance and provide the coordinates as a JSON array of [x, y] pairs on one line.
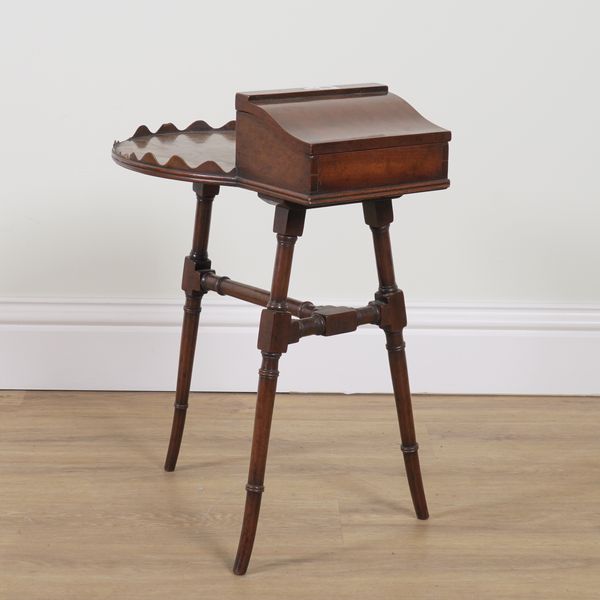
[[336, 145], [87, 512], [313, 147]]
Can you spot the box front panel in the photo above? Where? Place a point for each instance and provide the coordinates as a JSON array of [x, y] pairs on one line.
[[343, 171]]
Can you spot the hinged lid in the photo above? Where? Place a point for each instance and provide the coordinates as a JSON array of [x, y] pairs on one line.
[[342, 118]]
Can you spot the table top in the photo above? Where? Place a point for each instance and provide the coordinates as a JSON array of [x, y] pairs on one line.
[[196, 153]]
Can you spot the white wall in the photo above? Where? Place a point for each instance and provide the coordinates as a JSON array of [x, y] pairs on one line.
[[516, 82]]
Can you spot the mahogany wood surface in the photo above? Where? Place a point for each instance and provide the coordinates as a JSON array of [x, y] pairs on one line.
[[341, 118], [198, 153], [278, 328], [299, 149], [316, 147], [378, 216], [197, 261]]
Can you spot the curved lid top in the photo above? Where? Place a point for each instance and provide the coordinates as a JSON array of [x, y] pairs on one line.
[[343, 118]]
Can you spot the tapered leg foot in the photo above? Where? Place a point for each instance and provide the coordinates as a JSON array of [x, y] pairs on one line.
[[273, 339], [251, 512], [189, 334], [415, 482], [195, 264], [378, 215], [410, 448], [258, 459], [175, 439]]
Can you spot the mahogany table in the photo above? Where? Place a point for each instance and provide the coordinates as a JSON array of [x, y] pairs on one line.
[[299, 149]]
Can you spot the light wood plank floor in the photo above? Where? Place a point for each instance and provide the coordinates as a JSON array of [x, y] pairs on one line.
[[86, 511]]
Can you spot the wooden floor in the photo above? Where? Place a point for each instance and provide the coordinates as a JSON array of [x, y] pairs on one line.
[[86, 511]]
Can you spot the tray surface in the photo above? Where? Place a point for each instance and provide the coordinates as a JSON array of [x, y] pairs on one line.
[[197, 153]]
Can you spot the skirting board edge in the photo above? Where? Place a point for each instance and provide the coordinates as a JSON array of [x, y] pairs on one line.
[[452, 349]]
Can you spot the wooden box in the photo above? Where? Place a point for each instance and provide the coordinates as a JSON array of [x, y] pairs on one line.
[[336, 145]]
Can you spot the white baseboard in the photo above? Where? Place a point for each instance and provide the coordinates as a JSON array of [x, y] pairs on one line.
[[452, 349]]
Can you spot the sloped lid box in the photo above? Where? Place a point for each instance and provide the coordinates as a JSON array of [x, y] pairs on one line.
[[337, 145]]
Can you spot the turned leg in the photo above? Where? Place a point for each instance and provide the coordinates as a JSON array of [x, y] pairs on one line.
[[195, 264], [379, 215], [273, 339]]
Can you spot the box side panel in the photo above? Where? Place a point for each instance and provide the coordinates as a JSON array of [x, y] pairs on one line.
[[265, 157], [346, 171]]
